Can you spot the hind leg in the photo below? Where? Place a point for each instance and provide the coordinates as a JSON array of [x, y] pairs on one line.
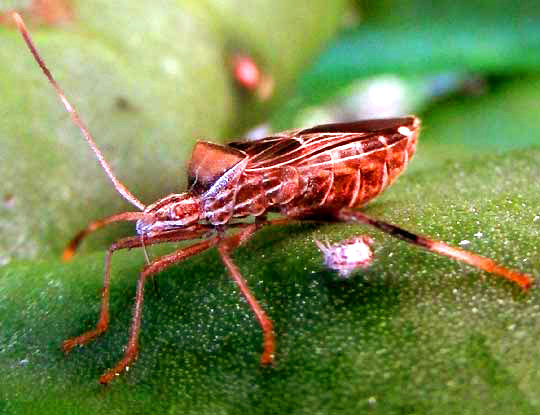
[[486, 264]]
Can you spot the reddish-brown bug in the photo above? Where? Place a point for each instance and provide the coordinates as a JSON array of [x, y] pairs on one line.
[[318, 173]]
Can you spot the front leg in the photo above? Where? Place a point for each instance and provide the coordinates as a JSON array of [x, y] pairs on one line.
[[125, 243], [154, 267]]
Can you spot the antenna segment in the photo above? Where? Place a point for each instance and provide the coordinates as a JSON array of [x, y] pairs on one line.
[[119, 186]]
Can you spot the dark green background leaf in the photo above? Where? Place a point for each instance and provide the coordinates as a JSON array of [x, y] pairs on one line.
[[420, 38]]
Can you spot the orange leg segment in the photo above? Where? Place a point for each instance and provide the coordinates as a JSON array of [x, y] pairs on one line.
[[486, 264], [131, 242], [70, 250], [224, 248], [154, 267]]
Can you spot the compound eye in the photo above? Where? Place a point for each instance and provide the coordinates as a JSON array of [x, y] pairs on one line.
[[186, 212]]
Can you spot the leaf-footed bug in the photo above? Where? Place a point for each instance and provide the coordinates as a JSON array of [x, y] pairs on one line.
[[320, 173]]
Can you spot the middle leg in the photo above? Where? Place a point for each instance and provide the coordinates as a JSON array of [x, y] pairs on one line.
[[225, 247]]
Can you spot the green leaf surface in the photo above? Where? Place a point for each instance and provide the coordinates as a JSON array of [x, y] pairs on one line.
[[415, 333], [485, 47]]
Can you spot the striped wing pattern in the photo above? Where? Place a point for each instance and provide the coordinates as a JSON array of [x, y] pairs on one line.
[[304, 171]]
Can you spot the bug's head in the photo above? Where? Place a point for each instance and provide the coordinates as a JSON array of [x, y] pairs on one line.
[[172, 212]]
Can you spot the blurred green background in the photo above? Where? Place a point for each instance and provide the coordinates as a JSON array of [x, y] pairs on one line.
[[413, 334]]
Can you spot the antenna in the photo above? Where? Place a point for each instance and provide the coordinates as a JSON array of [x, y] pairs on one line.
[[119, 186]]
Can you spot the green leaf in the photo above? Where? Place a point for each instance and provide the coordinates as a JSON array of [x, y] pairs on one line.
[[505, 119], [415, 333]]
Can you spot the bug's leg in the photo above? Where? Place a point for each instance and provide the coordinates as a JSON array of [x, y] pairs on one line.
[[126, 243], [438, 247], [225, 247], [103, 322], [275, 221], [153, 268], [69, 251]]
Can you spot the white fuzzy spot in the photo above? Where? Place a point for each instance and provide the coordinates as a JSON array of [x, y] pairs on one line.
[[347, 256], [170, 65], [258, 132], [404, 131]]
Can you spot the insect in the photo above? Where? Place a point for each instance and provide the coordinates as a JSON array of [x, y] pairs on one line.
[[348, 255], [320, 173]]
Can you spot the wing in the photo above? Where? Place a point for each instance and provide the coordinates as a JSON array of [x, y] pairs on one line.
[[298, 147], [209, 162]]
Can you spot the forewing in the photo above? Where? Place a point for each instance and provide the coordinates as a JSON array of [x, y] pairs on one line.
[[209, 162], [297, 147]]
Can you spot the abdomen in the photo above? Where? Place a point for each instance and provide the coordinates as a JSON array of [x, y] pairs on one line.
[[352, 175], [346, 175]]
